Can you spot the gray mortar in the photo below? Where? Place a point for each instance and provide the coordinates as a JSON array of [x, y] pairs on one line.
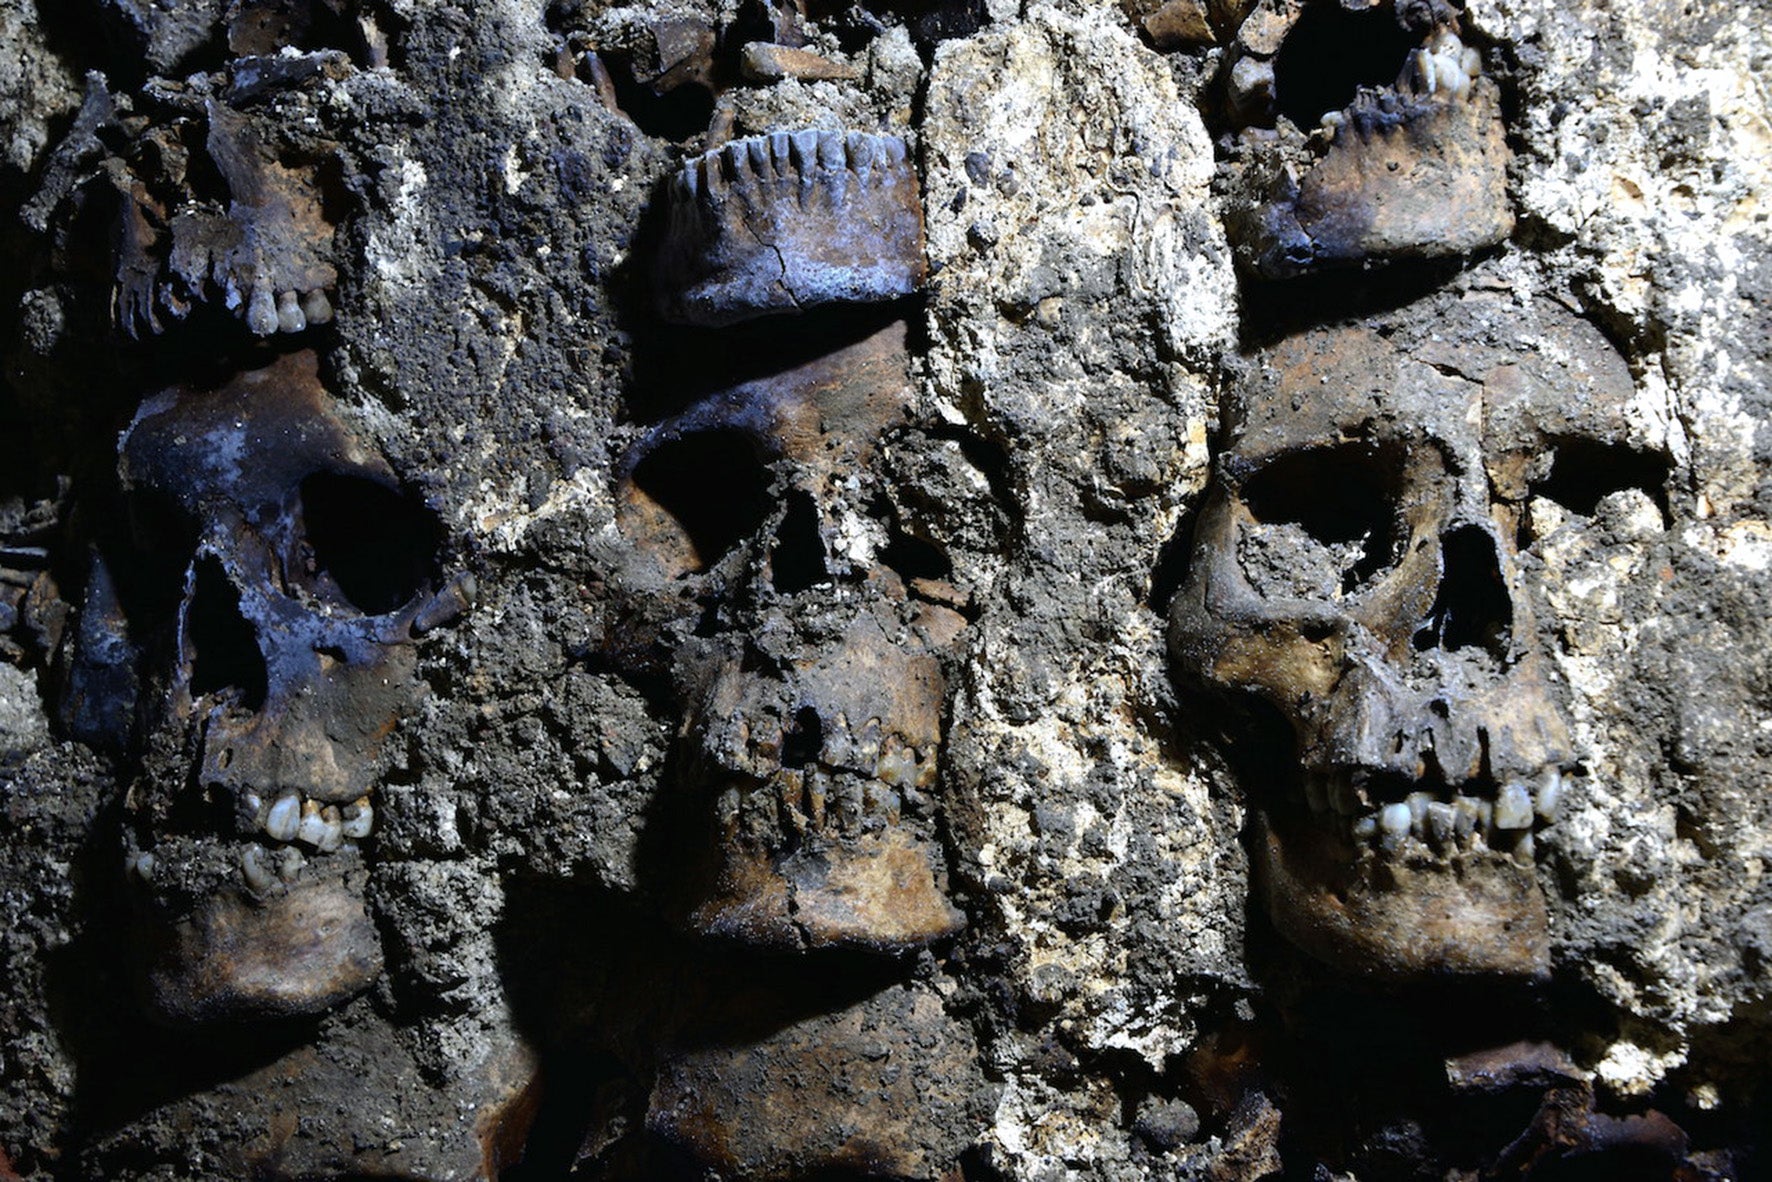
[[1133, 1019]]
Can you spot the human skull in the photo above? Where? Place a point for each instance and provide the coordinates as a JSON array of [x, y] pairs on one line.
[[1363, 565], [1415, 167], [278, 665], [813, 717]]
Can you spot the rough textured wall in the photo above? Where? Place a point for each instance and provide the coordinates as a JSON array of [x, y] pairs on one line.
[[518, 660]]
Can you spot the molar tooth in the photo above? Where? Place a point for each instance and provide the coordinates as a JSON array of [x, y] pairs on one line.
[[830, 149], [1394, 818], [1550, 795], [1471, 61], [290, 317], [140, 865], [1465, 816], [316, 307], [261, 311], [1513, 807], [289, 863], [255, 870], [357, 818], [1364, 828], [284, 819]]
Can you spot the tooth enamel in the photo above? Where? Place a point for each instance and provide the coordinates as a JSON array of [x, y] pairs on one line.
[[1442, 821], [140, 865], [1465, 816], [1364, 828], [284, 820], [312, 829], [1550, 795], [316, 307], [290, 317], [1525, 849], [357, 819], [289, 863], [255, 870], [261, 311], [1418, 802], [333, 834], [1394, 818], [1513, 807]]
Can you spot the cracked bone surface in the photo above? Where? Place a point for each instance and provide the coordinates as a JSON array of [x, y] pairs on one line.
[[807, 755], [1359, 567], [788, 221], [1413, 169], [278, 658]]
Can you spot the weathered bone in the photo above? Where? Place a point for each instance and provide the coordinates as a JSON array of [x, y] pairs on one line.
[[1414, 170], [1391, 628], [788, 221], [237, 930]]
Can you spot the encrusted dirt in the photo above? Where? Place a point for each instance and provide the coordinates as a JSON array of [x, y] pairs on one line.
[[479, 193]]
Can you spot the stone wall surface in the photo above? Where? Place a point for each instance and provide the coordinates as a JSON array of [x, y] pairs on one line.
[[934, 590]]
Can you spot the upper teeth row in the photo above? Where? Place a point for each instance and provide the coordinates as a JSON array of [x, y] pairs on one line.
[[1462, 820], [323, 826]]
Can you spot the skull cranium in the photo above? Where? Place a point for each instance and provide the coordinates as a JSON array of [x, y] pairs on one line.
[[1362, 566], [281, 661]]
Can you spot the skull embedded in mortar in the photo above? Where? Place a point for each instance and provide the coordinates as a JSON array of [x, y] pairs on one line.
[[278, 660], [1367, 132], [813, 687], [1363, 568]]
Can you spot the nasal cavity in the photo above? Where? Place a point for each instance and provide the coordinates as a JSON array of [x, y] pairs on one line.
[[796, 561], [1472, 608], [221, 643]]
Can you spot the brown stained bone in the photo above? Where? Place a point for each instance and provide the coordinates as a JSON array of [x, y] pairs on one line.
[[1414, 170], [282, 659], [235, 955], [809, 749], [1357, 566], [789, 221], [263, 247], [874, 1090]]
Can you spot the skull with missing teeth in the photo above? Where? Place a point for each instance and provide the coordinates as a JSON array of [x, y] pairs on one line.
[[814, 688], [1339, 163], [279, 658], [1364, 567]]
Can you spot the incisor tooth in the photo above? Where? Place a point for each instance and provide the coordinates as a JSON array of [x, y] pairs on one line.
[[284, 820], [1550, 794]]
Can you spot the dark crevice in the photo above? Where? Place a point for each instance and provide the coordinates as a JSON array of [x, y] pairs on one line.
[[223, 644], [713, 484], [378, 545], [803, 740], [1330, 53], [796, 561], [1472, 608], [1585, 471], [1337, 495]]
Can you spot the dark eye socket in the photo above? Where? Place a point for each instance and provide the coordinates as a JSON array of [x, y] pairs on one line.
[[1586, 471], [1337, 495], [164, 538], [713, 485], [378, 544]]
